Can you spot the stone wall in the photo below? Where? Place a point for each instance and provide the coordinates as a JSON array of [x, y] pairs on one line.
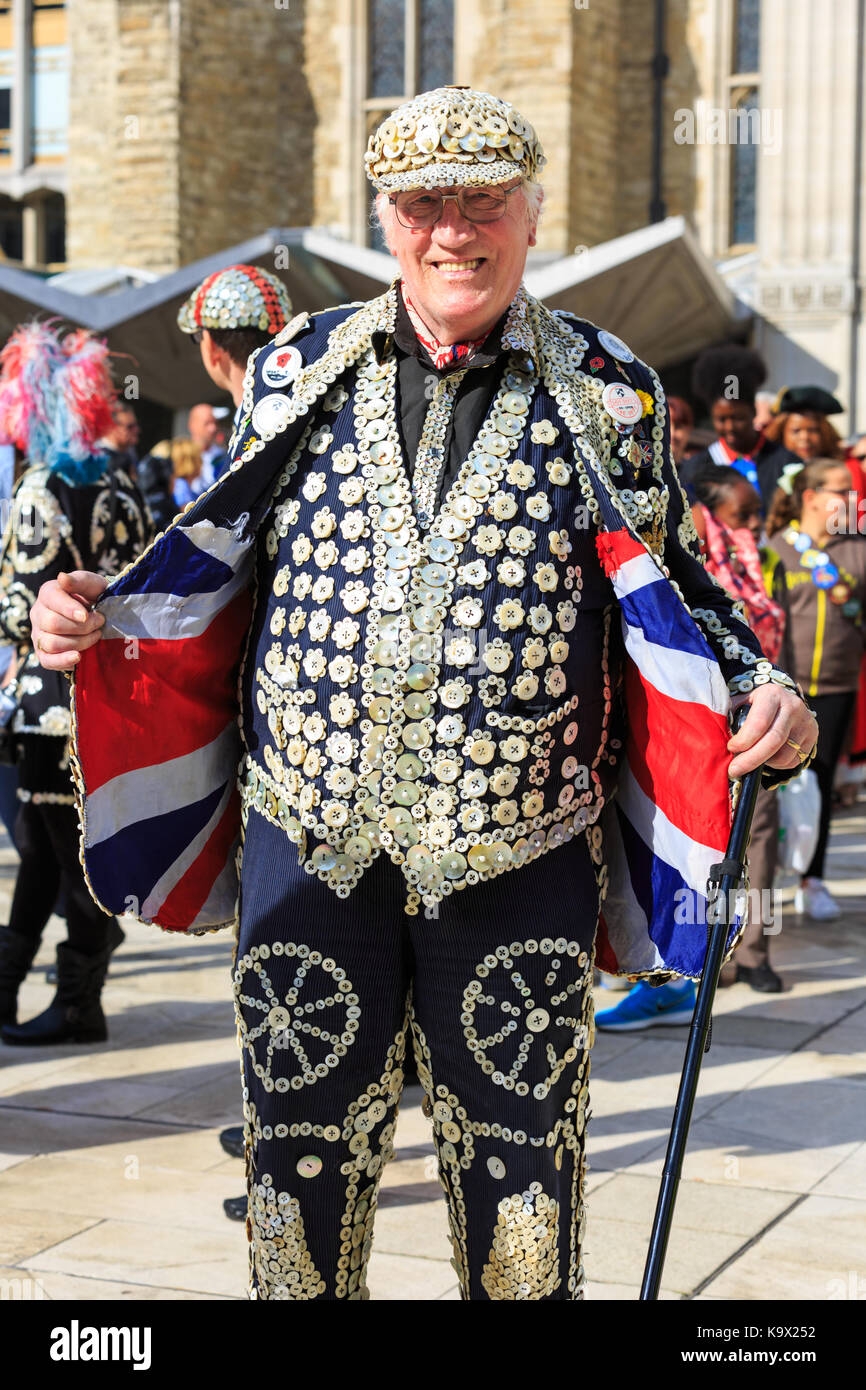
[[523, 51], [123, 134], [598, 158], [583, 76], [246, 122], [334, 107], [194, 126], [191, 128]]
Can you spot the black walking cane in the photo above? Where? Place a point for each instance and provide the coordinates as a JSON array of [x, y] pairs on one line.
[[725, 878]]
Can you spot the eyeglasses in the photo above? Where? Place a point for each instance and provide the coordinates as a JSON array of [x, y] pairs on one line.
[[422, 207]]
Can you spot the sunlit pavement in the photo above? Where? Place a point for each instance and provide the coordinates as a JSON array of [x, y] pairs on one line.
[[112, 1178]]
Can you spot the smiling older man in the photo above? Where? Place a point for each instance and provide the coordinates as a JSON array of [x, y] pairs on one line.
[[430, 684]]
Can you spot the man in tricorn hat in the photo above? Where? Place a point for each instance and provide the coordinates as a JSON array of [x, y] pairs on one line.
[[435, 493]]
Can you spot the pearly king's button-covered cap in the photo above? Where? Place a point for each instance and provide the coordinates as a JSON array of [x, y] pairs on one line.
[[241, 296], [452, 135]]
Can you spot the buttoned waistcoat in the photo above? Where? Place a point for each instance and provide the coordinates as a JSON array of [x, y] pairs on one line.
[[431, 681]]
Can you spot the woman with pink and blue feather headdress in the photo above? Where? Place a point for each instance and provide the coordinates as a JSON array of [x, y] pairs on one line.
[[72, 510]]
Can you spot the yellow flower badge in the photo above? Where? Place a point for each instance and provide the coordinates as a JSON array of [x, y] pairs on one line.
[[647, 402]]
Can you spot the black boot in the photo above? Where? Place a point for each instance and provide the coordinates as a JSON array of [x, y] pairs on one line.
[[761, 977], [232, 1140], [116, 937], [16, 958], [75, 1015]]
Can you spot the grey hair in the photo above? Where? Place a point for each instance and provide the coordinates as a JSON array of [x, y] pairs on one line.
[[533, 197]]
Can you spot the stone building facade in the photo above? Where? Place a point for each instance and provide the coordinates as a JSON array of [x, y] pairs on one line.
[[192, 124], [190, 128], [195, 124]]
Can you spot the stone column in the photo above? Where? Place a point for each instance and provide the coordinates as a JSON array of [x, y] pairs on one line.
[[804, 286], [22, 135]]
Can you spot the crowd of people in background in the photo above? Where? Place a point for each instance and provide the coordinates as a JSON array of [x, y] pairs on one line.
[[778, 505]]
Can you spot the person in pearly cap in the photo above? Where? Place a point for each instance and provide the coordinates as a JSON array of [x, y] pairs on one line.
[[231, 314], [380, 715]]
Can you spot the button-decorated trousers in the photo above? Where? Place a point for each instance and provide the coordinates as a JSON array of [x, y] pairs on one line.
[[495, 990]]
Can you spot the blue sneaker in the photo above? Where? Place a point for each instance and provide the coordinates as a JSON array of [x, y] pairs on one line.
[[643, 1007]]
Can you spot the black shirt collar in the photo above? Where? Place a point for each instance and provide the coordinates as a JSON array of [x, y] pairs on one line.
[[405, 339]]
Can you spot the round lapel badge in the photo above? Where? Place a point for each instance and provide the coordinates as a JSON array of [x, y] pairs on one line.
[[271, 415], [281, 366], [622, 403], [615, 346], [825, 576]]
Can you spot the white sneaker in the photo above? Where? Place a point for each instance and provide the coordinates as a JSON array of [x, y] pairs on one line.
[[814, 898]]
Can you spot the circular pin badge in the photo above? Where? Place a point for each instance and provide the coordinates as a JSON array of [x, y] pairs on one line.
[[281, 366], [615, 346], [622, 403], [825, 576], [801, 542], [271, 415], [810, 557]]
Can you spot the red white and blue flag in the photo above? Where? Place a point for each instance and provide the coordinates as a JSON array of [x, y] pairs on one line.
[[671, 818], [157, 742]]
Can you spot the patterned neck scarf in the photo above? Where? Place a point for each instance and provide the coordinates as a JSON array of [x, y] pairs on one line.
[[441, 355], [733, 559]]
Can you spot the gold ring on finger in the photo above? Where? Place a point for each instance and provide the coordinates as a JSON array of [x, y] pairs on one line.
[[797, 749]]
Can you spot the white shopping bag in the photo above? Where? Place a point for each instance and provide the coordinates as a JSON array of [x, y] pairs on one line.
[[799, 811]]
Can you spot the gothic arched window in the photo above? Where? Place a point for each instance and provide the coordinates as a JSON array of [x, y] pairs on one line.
[[410, 49]]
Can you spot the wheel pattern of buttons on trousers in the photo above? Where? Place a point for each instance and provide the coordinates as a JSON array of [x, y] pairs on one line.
[[300, 1039], [281, 1262], [522, 1024]]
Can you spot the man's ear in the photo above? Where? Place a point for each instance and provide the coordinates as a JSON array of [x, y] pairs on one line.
[[208, 347], [215, 358], [385, 211]]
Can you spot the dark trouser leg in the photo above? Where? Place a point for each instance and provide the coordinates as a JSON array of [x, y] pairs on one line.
[[75, 1015], [833, 713], [321, 988], [32, 901], [9, 802], [38, 876], [763, 854], [88, 927], [503, 1014]]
